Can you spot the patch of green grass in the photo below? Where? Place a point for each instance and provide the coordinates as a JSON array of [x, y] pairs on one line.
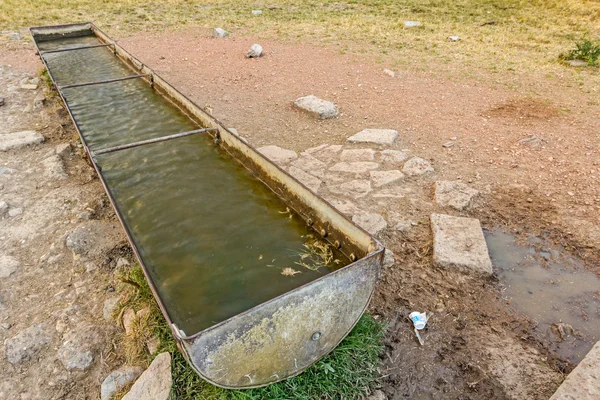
[[349, 372], [585, 50]]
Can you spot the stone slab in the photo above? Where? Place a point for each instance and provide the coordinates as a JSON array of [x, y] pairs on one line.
[[370, 222], [393, 156], [417, 166], [323, 109], [382, 178], [17, 140], [454, 194], [459, 243], [277, 154], [357, 167], [357, 155], [305, 178], [155, 382], [377, 136], [356, 189], [583, 383]]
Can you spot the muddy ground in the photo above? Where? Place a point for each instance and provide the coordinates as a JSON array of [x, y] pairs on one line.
[[476, 345]]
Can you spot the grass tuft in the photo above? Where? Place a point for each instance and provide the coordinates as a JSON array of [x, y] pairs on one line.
[[585, 50], [349, 372]]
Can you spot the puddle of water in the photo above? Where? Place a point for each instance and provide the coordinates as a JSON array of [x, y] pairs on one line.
[[550, 287]]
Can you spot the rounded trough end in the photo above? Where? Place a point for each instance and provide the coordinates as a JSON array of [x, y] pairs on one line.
[[281, 338]]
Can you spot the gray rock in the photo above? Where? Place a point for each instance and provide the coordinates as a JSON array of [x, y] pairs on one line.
[[152, 344], [110, 305], [377, 136], [328, 153], [255, 51], [256, 12], [382, 178], [13, 212], [459, 243], [357, 167], [305, 178], [577, 63], [377, 395], [3, 208], [63, 150], [417, 166], [358, 155], [309, 163], [370, 222], [219, 33], [54, 168], [117, 380], [8, 266], [17, 140], [393, 156], [388, 258], [355, 189], [122, 262], [389, 72], [154, 383], [454, 194], [583, 383], [323, 109], [92, 238], [79, 346], [453, 38], [277, 154], [448, 144], [26, 345], [128, 320], [412, 24], [39, 101]]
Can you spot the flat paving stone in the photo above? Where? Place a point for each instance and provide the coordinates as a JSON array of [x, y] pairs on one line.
[[377, 136], [370, 222], [277, 154], [323, 109], [583, 383], [393, 156], [305, 178], [356, 189], [308, 163], [382, 178], [459, 243], [345, 206], [358, 155], [357, 167], [417, 166], [454, 194], [329, 153], [17, 140]]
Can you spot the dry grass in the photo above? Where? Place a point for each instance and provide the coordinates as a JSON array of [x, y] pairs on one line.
[[524, 34]]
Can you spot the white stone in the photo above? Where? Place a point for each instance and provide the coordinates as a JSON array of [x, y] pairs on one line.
[[8, 266], [358, 155], [17, 140], [388, 258], [393, 156], [308, 163], [392, 192], [345, 206], [122, 262], [355, 189], [358, 167], [219, 33], [453, 38], [54, 168], [323, 109], [13, 212], [417, 166], [155, 382], [257, 12], [117, 380], [77, 350], [110, 305], [26, 345], [578, 63], [382, 178], [377, 136], [459, 243], [63, 150], [454, 194], [583, 383], [412, 24], [328, 153], [305, 178], [3, 208], [128, 320], [277, 154], [389, 72], [370, 222], [255, 51]]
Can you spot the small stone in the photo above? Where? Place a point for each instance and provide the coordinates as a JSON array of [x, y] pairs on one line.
[[382, 178], [117, 380], [8, 266], [152, 344], [389, 72], [154, 383], [128, 319], [358, 167], [277, 154], [122, 262], [110, 305], [459, 243], [358, 155], [13, 212], [27, 344], [255, 51], [54, 168], [412, 24], [17, 140], [377, 136], [219, 33], [6, 325], [577, 63], [3, 208], [15, 36], [29, 86], [454, 194], [306, 179], [63, 150], [39, 101], [355, 189], [323, 109], [453, 38], [370, 222], [448, 144], [257, 12], [417, 166], [393, 156], [388, 258]]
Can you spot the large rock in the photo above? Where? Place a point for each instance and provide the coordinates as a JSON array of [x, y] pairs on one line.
[[19, 139], [377, 136], [93, 238], [26, 345], [154, 383], [79, 346], [358, 155], [356, 189], [370, 222], [454, 194], [307, 179], [417, 166], [357, 167], [8, 266], [277, 154], [323, 109], [459, 243], [117, 380], [583, 383], [382, 178]]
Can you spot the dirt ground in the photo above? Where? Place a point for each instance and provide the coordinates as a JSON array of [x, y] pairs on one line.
[[533, 151]]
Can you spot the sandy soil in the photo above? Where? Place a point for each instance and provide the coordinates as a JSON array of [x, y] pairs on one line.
[[476, 347]]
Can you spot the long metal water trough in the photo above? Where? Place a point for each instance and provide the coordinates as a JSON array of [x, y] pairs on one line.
[[212, 222]]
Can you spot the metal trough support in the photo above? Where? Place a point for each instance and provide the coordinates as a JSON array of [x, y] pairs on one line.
[[283, 336]]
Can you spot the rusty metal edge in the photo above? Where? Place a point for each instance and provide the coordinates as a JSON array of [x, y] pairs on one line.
[[378, 247]]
